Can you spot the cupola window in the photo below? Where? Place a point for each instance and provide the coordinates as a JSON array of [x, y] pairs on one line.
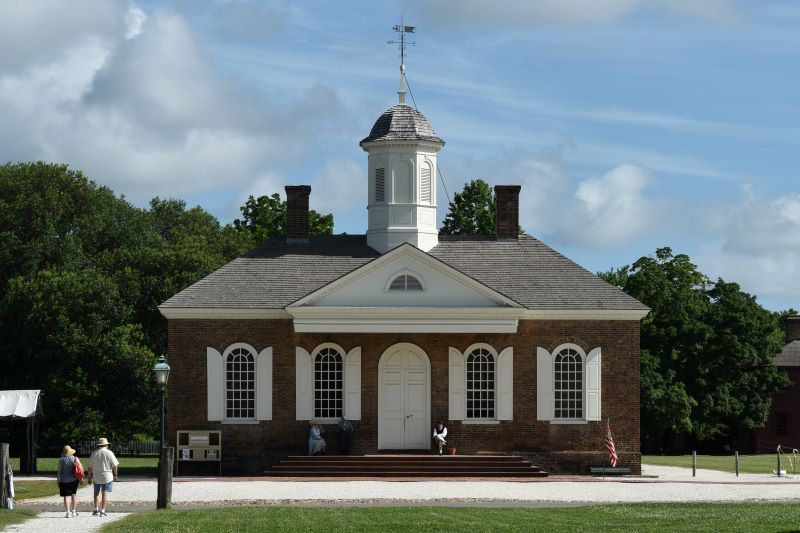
[[380, 185]]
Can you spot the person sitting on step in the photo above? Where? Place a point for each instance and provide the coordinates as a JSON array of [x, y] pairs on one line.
[[439, 433]]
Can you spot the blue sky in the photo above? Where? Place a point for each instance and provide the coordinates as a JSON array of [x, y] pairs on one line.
[[630, 124]]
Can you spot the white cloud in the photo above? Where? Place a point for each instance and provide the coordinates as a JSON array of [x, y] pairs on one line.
[[138, 106], [754, 241], [483, 13], [340, 186], [610, 210], [56, 25]]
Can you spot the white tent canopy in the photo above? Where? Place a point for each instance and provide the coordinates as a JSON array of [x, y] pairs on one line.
[[20, 403]]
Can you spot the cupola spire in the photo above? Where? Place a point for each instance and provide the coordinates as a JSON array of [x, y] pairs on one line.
[[401, 45]]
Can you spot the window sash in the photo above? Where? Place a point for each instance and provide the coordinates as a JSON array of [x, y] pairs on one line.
[[240, 385]]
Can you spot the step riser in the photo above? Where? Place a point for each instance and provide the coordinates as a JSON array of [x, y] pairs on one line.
[[406, 465]]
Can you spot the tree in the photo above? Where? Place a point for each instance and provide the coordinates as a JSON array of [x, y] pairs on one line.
[[472, 211], [70, 334], [81, 275], [707, 349], [265, 217]]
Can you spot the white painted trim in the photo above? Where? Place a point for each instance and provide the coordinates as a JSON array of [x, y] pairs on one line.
[[351, 408], [215, 385], [264, 384], [455, 385], [480, 422], [404, 320], [593, 384], [565, 422], [303, 384], [504, 384], [242, 422], [189, 313], [545, 396], [173, 313], [407, 250], [225, 355], [584, 314]]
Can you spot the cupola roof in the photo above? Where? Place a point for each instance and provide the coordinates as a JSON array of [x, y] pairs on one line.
[[402, 123]]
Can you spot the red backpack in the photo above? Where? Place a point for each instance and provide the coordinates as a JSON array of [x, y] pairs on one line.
[[77, 469]]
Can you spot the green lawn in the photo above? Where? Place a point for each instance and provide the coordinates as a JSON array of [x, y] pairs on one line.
[[128, 466], [746, 517], [752, 464], [27, 490], [14, 517]]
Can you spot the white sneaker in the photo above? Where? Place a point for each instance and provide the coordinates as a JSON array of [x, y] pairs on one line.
[[75, 514], [103, 513], [67, 515]]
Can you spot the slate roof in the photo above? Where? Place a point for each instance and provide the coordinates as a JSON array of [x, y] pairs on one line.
[[402, 123], [275, 274], [789, 356]]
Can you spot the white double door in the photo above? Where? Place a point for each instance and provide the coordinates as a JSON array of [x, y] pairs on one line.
[[404, 402]]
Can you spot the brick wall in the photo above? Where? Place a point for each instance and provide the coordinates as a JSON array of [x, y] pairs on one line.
[[565, 447]]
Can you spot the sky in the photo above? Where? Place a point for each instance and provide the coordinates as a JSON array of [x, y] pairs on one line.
[[630, 124]]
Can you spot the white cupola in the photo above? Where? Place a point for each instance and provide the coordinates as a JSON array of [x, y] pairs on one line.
[[401, 202]]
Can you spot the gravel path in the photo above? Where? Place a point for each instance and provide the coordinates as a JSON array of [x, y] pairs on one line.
[[660, 484], [50, 521]]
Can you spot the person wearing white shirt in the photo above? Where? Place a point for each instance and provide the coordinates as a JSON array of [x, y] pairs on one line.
[[439, 433], [102, 473]]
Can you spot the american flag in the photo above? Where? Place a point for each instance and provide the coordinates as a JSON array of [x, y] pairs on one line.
[[612, 451]]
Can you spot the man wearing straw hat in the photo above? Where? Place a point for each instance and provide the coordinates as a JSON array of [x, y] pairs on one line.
[[102, 472]]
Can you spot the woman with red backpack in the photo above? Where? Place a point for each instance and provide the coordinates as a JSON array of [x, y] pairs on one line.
[[69, 475]]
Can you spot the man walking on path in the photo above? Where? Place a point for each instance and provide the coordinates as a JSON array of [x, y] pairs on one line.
[[102, 473]]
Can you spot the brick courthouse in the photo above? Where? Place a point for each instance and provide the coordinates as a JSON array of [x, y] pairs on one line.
[[516, 347]]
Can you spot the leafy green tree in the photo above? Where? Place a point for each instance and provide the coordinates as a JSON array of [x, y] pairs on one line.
[[472, 211], [265, 217], [69, 334], [706, 355]]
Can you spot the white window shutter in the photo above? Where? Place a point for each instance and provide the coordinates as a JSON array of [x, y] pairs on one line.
[[505, 384], [264, 385], [352, 384], [456, 385], [545, 396], [216, 384], [593, 385], [304, 385]]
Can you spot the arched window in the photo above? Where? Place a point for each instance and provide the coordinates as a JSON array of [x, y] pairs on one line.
[[405, 282], [328, 383], [568, 384], [240, 384], [480, 384]]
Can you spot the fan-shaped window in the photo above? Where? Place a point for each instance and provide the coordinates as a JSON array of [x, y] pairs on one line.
[[405, 282], [328, 380], [240, 384]]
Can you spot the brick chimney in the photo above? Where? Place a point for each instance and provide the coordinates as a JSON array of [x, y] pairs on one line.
[[792, 328], [297, 213], [507, 211]]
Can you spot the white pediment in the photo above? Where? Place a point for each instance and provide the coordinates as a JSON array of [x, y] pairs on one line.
[[441, 286], [444, 300]]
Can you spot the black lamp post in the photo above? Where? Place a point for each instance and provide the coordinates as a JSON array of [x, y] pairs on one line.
[[161, 370]]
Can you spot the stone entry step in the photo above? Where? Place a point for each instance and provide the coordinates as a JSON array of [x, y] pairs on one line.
[[405, 465]]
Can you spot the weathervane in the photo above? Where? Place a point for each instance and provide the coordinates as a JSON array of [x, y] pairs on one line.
[[401, 45]]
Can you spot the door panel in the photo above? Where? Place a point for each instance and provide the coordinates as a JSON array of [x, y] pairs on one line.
[[393, 412], [405, 393]]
